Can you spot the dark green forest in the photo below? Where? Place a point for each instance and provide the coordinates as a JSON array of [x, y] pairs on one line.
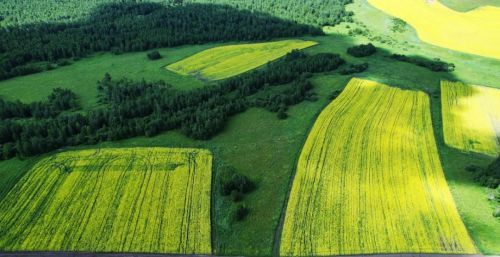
[[134, 27], [313, 12]]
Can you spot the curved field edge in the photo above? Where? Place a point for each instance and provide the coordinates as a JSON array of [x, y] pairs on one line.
[[112, 200], [227, 61], [440, 223]]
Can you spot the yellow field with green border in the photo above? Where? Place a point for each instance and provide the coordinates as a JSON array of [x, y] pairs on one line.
[[112, 200], [369, 180], [476, 32], [471, 117], [227, 61]]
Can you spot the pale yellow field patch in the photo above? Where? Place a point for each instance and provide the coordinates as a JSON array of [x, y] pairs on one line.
[[227, 61], [476, 32], [471, 117]]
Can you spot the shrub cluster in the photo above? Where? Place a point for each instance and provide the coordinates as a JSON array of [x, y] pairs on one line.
[[434, 65], [490, 176], [154, 55], [234, 185]]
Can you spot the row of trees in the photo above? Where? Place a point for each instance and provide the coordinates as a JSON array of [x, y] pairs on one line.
[[489, 176], [58, 101], [129, 26], [436, 65], [133, 108]]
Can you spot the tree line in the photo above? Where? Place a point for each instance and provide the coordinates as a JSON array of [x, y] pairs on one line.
[[313, 12], [129, 27], [435, 65], [135, 108]]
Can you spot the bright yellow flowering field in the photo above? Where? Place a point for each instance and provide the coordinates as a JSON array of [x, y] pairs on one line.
[[471, 117], [476, 32], [227, 61], [369, 180], [112, 200]]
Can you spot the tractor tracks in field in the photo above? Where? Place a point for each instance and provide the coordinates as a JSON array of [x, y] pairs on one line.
[[89, 254]]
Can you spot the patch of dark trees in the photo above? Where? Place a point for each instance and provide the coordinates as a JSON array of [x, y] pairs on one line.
[[362, 50], [58, 101], [129, 27], [131, 108], [354, 68], [435, 65], [489, 176]]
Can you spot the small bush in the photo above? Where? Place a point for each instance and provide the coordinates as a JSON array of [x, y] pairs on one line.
[[472, 168], [240, 212], [490, 177], [362, 50], [282, 114], [354, 68], [154, 55], [334, 94], [398, 25], [496, 213], [230, 180], [116, 51]]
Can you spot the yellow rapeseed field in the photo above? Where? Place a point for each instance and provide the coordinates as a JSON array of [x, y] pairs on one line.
[[471, 117], [227, 61], [112, 200], [476, 32], [369, 180]]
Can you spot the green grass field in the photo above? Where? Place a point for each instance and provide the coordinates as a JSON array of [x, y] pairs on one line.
[[227, 61], [467, 5], [112, 200]]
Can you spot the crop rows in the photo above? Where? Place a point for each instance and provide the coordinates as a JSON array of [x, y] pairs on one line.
[[369, 180], [227, 61], [471, 117], [112, 200]]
